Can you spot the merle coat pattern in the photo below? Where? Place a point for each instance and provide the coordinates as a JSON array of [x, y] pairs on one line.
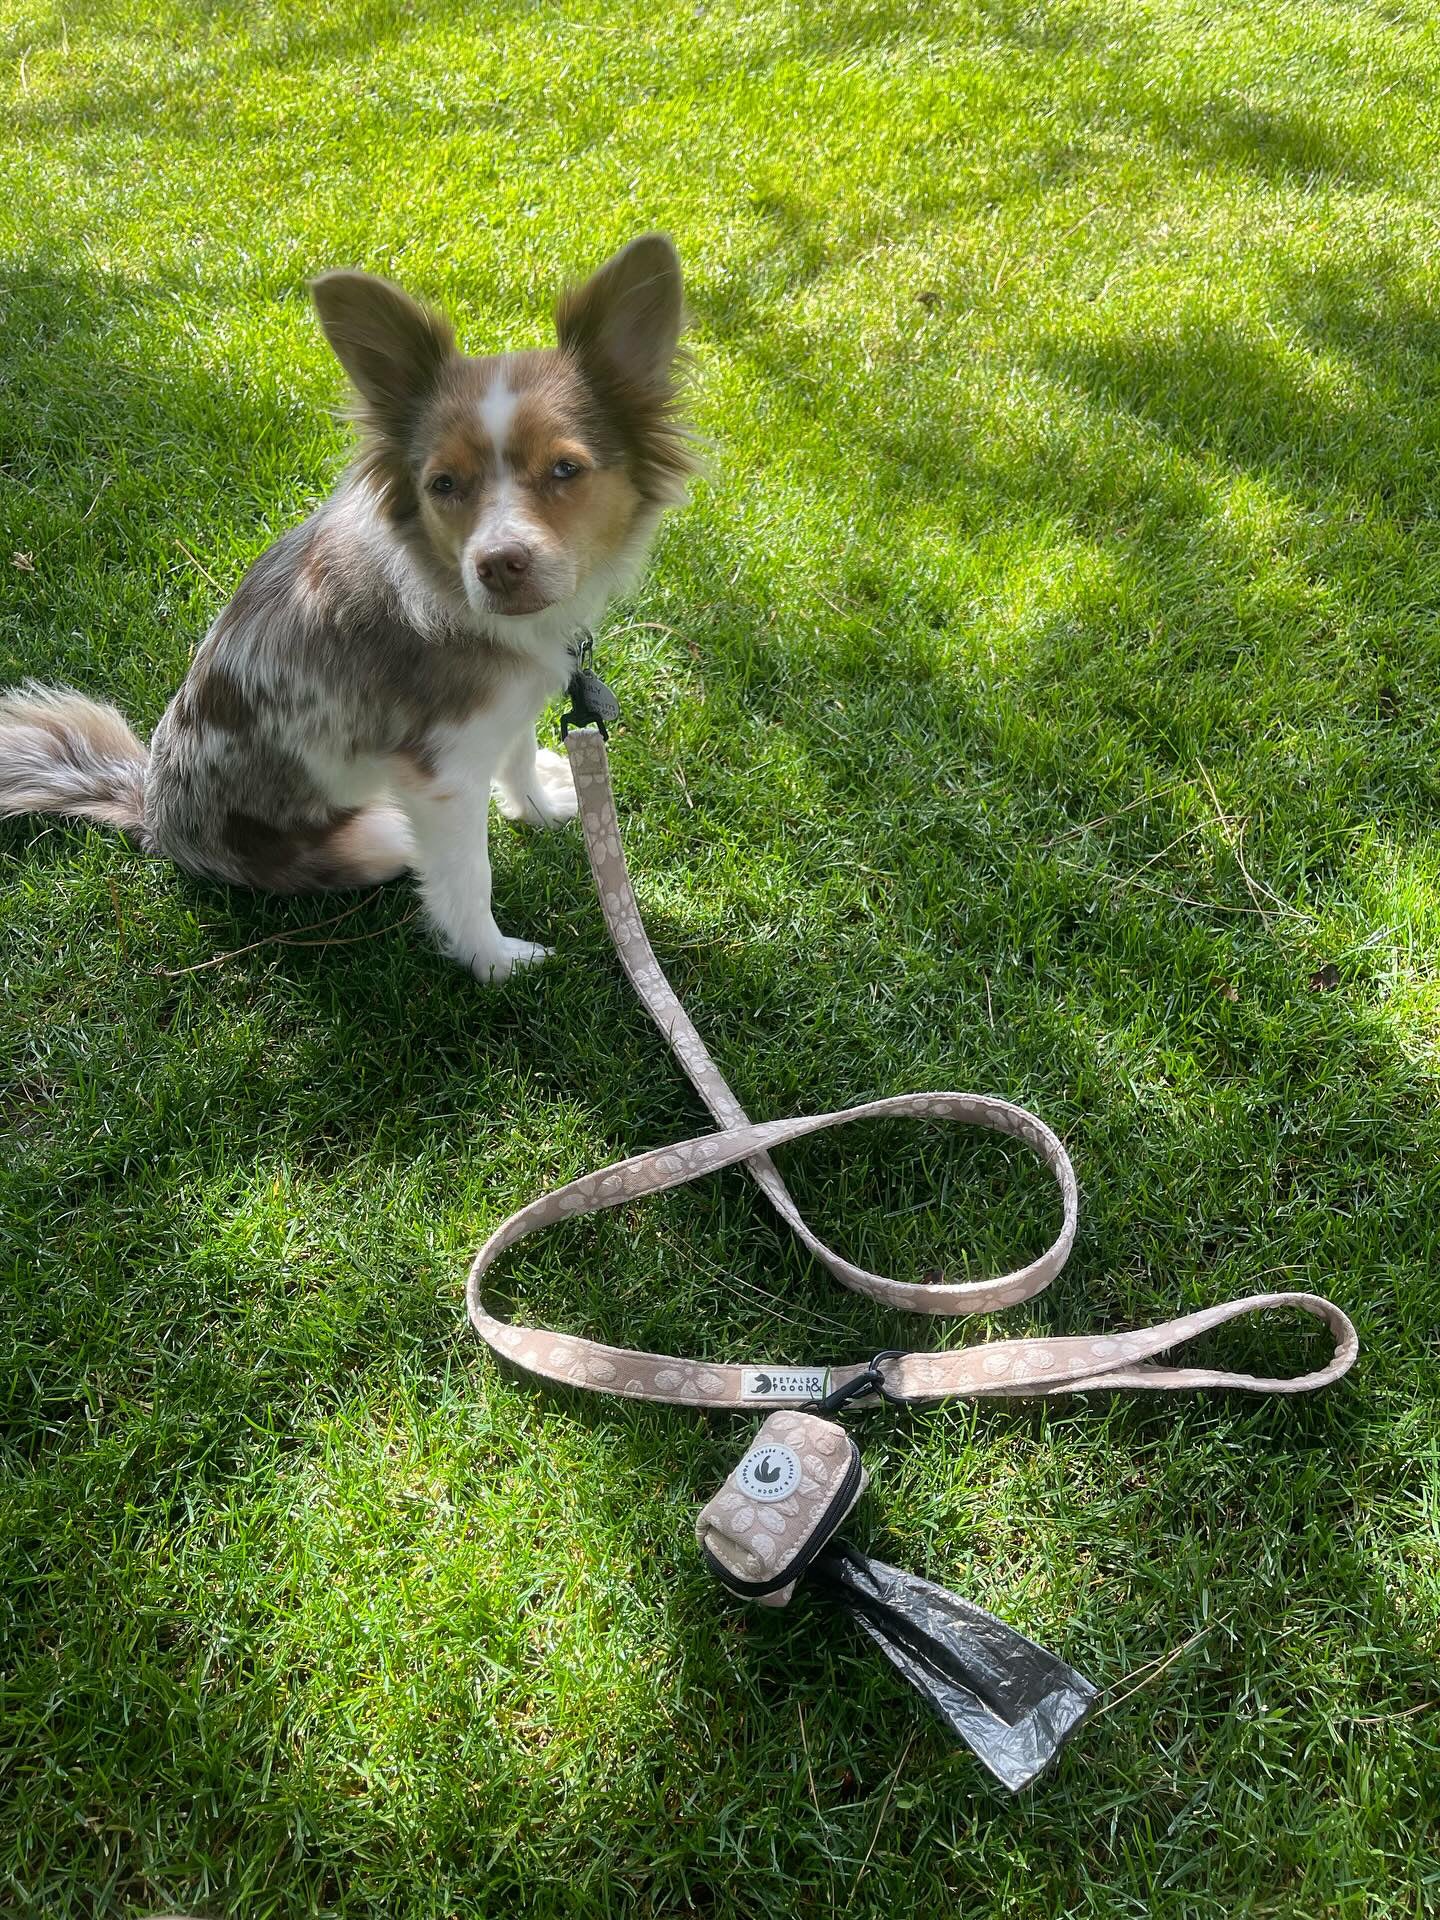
[[380, 669]]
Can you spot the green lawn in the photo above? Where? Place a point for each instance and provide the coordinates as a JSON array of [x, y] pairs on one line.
[[1040, 697]]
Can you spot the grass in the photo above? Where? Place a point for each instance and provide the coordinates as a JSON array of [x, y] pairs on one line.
[[1041, 697]]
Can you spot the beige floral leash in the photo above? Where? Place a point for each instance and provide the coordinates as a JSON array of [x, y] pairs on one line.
[[1000, 1368]]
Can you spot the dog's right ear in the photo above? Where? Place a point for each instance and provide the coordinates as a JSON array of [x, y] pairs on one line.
[[392, 347]]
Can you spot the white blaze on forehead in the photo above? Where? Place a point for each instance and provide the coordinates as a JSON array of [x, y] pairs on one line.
[[502, 521], [497, 415]]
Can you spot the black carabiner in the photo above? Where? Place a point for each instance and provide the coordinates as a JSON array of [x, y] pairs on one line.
[[872, 1380]]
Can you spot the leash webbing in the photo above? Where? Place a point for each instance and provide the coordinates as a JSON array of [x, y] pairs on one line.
[[995, 1369]]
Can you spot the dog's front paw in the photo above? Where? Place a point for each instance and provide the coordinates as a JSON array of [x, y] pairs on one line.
[[497, 963], [548, 797]]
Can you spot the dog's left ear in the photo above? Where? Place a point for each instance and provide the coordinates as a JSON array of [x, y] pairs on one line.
[[626, 319]]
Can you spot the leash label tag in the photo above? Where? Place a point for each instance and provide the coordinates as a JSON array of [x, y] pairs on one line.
[[784, 1383]]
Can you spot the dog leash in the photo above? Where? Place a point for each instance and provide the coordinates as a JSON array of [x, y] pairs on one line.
[[1040, 1367]]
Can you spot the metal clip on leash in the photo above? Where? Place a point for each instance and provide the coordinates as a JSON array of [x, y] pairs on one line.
[[939, 1644], [870, 1383]]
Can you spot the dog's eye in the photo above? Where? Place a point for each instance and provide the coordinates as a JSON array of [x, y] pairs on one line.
[[564, 470], [442, 483]]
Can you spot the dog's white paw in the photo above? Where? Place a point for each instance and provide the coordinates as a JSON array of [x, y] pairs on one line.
[[549, 798], [498, 963]]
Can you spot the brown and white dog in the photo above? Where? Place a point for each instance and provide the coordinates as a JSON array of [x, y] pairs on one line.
[[382, 666]]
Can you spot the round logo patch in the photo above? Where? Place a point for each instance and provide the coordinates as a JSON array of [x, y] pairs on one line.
[[769, 1472]]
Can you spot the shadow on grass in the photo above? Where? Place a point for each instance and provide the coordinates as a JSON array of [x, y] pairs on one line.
[[200, 1354], [1207, 397], [1341, 439]]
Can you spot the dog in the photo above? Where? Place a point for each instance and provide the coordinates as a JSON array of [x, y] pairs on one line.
[[382, 666]]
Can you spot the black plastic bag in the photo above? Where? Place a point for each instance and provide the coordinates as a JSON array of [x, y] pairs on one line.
[[1011, 1702]]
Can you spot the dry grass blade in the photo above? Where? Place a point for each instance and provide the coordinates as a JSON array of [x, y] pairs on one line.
[[1142, 1676], [295, 940]]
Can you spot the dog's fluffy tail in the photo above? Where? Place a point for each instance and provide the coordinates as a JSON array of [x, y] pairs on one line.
[[62, 753]]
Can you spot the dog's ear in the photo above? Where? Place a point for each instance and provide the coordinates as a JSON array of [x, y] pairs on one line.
[[392, 347], [626, 319]]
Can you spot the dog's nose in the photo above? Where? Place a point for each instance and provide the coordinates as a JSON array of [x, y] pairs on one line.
[[503, 567]]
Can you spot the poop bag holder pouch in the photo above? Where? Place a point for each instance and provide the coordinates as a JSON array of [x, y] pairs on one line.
[[773, 1523], [800, 1478]]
